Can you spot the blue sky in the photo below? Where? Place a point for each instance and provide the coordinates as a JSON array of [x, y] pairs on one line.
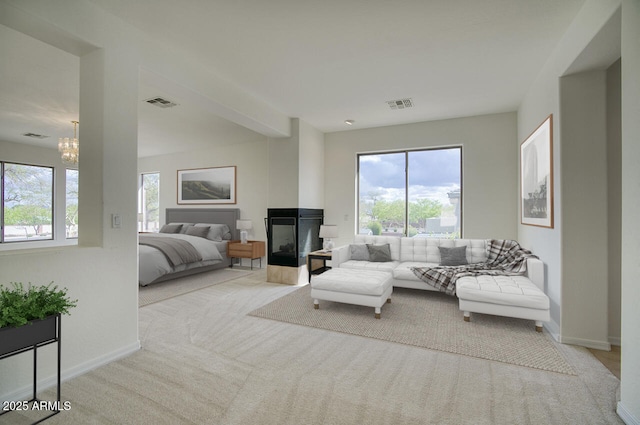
[[432, 173]]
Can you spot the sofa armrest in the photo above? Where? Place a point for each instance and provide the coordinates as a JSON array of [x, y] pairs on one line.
[[339, 255], [535, 272]]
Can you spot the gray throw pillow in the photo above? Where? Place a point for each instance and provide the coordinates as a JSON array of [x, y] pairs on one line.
[[453, 256], [198, 231], [379, 253], [359, 252], [217, 232], [171, 228]]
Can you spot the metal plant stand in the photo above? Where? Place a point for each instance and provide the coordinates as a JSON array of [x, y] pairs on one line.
[[35, 339]]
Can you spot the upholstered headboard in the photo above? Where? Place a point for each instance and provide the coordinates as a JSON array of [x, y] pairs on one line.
[[226, 216]]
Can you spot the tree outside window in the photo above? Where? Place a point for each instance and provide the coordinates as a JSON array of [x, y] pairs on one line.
[[71, 210], [27, 202], [149, 202]]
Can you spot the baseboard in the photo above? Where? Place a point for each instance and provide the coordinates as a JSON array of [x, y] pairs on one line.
[[615, 341], [26, 391], [597, 345], [626, 416], [553, 329]]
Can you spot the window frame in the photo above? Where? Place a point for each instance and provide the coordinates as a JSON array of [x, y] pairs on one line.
[[406, 153], [3, 240], [141, 195]]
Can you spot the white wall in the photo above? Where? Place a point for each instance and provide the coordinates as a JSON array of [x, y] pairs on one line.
[[284, 169], [311, 167], [583, 164], [541, 100], [101, 271], [490, 192], [614, 199], [252, 183], [629, 405]]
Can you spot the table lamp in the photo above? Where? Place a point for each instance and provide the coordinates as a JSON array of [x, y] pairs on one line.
[[328, 231], [243, 226]]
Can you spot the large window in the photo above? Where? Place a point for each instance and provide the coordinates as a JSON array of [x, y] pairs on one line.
[[27, 202], [417, 193], [149, 202], [71, 212]]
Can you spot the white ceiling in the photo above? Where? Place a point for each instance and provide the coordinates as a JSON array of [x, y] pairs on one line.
[[321, 61]]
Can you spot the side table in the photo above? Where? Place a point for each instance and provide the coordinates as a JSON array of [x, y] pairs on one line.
[[253, 250], [317, 262]]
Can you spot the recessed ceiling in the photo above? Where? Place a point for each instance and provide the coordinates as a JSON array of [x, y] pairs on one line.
[[318, 61]]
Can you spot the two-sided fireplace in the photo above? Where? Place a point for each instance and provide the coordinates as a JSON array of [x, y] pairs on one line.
[[292, 233]]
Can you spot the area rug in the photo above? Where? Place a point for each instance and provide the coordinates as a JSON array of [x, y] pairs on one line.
[[429, 320], [172, 288]]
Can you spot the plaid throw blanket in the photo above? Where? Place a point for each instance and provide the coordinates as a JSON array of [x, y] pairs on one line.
[[506, 258]]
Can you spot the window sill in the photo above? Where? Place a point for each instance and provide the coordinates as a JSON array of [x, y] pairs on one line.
[[35, 246]]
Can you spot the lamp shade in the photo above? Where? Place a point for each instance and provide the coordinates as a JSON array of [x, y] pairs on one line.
[[243, 224], [328, 231]]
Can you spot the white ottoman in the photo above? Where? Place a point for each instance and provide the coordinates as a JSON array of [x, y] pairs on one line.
[[511, 296], [361, 287]]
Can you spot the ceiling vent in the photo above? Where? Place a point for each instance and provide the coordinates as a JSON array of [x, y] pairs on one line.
[[400, 104], [35, 135], [161, 102]]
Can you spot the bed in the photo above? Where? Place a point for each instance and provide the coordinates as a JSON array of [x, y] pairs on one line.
[[193, 240]]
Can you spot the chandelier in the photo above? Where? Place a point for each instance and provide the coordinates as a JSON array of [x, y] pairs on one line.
[[69, 147]]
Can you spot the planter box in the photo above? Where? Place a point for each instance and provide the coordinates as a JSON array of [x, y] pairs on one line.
[[37, 332]]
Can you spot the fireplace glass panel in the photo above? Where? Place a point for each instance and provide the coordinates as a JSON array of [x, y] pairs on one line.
[[292, 233], [284, 237], [309, 236]]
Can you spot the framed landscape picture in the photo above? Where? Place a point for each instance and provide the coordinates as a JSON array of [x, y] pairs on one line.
[[536, 176], [207, 185]]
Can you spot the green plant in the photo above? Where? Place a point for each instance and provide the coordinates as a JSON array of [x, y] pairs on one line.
[[376, 228], [19, 305]]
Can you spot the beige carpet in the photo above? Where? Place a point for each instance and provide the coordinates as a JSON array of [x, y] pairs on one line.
[[204, 360], [428, 320], [172, 288]]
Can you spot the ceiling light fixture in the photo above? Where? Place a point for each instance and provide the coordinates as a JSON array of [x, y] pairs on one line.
[[349, 122], [69, 148]]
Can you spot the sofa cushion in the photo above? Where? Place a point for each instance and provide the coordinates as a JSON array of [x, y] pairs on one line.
[[393, 241], [427, 249], [404, 272], [453, 256], [359, 252], [352, 282], [387, 266], [379, 253], [516, 291]]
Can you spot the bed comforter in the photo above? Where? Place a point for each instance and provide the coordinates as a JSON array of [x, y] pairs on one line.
[[154, 264]]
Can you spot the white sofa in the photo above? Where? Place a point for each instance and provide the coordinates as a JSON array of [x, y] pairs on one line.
[[512, 296]]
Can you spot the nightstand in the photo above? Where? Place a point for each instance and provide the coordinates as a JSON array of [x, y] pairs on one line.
[[317, 262], [252, 249]]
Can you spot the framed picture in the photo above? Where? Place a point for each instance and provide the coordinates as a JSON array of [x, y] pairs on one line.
[[536, 176], [207, 186]]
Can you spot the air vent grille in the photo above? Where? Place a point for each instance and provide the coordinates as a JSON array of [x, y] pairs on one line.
[[161, 102], [400, 103], [35, 135]]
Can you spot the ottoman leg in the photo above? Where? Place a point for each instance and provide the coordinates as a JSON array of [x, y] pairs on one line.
[[538, 326], [388, 300], [377, 315], [316, 304], [467, 316]]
